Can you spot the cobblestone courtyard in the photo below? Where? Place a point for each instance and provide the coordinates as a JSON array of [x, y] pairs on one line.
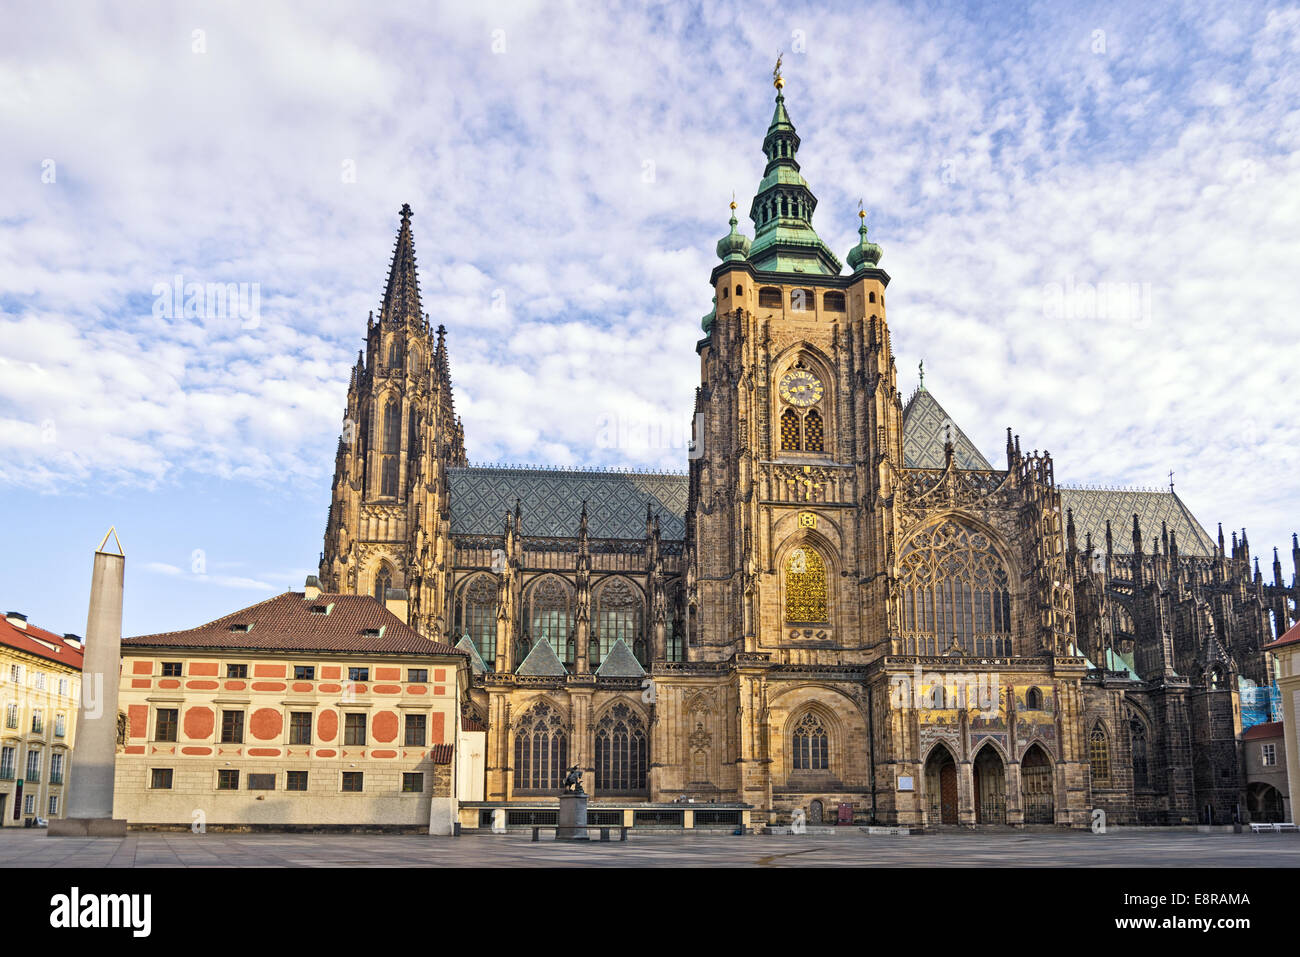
[[29, 848]]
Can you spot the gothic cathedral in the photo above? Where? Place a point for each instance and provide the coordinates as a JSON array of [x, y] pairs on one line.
[[842, 609]]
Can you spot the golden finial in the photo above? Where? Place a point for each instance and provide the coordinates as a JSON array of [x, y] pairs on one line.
[[777, 80], [733, 199], [862, 213]]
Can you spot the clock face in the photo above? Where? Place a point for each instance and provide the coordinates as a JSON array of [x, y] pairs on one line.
[[800, 387]]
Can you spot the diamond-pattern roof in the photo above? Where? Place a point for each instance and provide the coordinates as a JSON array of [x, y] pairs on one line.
[[541, 662], [1093, 506], [620, 663], [925, 424], [551, 501]]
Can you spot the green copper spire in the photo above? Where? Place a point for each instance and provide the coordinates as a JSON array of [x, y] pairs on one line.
[[733, 247], [707, 322], [784, 239], [865, 254]]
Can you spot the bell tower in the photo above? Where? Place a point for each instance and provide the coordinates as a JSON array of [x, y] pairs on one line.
[[387, 532], [798, 435]]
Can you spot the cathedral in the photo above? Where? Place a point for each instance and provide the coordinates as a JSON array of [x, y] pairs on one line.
[[842, 611]]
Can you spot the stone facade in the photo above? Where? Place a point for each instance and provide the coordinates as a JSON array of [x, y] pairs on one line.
[[842, 604]]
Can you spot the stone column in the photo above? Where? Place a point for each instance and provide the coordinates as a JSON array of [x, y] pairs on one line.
[[90, 790]]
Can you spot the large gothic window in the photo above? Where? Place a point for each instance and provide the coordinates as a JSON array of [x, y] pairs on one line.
[[619, 614], [622, 751], [392, 426], [548, 618], [954, 589], [476, 616], [388, 476], [541, 749], [1137, 731], [383, 582], [1099, 757], [810, 745], [805, 586]]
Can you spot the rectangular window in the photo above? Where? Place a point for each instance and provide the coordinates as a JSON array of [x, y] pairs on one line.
[[40, 681], [354, 728], [300, 727], [295, 780], [33, 767], [60, 725], [63, 687], [261, 782], [236, 671], [165, 724], [16, 673], [29, 804], [352, 780], [56, 767], [412, 782], [6, 764], [227, 780], [54, 805], [358, 674], [160, 779], [304, 672], [38, 721], [1269, 755], [11, 716], [232, 727], [415, 730], [171, 669], [419, 675]]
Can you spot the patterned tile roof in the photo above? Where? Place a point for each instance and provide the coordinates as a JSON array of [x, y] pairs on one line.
[[925, 425], [620, 663], [551, 501], [1093, 506], [287, 623], [541, 662]]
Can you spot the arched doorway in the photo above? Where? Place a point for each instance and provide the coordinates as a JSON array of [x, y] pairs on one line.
[[1264, 802], [816, 812], [941, 786], [990, 787], [1036, 786]]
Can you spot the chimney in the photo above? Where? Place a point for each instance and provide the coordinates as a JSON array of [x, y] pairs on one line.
[[395, 600], [17, 619], [89, 799], [311, 590], [75, 641]]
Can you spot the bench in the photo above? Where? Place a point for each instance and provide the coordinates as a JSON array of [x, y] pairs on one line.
[[1257, 828]]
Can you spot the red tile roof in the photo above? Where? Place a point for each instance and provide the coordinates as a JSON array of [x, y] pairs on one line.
[[287, 623], [469, 724], [32, 639], [1269, 729], [1290, 638], [440, 754]]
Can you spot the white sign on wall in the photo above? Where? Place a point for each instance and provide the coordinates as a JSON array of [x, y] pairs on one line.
[[905, 783]]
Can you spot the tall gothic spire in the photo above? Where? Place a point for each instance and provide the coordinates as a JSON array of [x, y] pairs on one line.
[[784, 239], [402, 295]]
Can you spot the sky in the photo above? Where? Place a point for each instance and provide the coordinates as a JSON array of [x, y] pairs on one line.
[[1089, 213]]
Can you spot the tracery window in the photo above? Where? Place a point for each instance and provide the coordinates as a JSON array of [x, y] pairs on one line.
[[805, 586], [392, 426], [619, 614], [476, 616], [1138, 743], [622, 751], [388, 475], [548, 616], [954, 587], [383, 582], [1099, 757], [810, 745], [541, 749]]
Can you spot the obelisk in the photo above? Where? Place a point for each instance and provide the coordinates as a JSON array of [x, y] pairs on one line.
[[90, 789]]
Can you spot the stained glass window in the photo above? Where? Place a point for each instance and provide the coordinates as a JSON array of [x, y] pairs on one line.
[[392, 426], [541, 749], [476, 616], [805, 586], [954, 588], [1138, 742], [618, 615], [549, 616], [1099, 757], [622, 751], [810, 746]]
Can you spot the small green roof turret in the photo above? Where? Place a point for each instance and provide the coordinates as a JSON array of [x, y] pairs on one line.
[[707, 322], [733, 247], [782, 211], [865, 254]]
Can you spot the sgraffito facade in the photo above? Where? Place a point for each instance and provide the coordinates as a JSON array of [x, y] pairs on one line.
[[842, 610]]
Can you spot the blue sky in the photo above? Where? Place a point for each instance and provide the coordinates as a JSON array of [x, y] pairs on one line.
[[569, 167]]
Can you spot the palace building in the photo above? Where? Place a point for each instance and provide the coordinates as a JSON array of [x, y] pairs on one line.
[[843, 610]]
